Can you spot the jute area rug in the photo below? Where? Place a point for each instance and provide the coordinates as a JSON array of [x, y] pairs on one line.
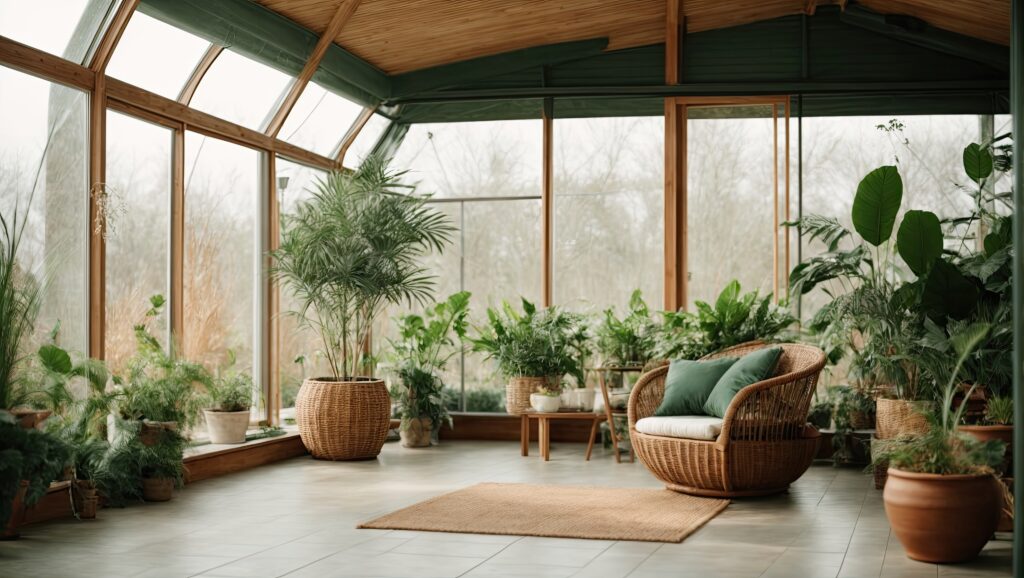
[[558, 511]]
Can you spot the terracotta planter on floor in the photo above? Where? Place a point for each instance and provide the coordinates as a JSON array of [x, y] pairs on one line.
[[226, 427], [157, 489], [416, 433], [942, 519], [343, 420]]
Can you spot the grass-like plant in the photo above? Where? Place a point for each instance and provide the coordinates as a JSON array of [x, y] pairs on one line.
[[230, 392], [352, 249], [999, 410], [20, 301]]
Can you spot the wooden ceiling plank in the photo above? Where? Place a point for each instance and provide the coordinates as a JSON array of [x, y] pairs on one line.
[[341, 16], [105, 48]]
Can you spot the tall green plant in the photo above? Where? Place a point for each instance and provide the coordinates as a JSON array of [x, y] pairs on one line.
[[20, 300], [352, 249], [422, 350]]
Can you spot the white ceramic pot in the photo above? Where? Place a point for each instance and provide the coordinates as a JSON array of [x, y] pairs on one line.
[[226, 427], [545, 403], [579, 398]]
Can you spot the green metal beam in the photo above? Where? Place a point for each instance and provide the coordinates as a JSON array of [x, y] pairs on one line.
[[469, 71], [919, 32], [711, 89], [1017, 108]]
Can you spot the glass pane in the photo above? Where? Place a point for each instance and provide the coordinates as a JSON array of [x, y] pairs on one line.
[[65, 28], [222, 186], [319, 120], [474, 159], [300, 347], [138, 234], [43, 175], [241, 90], [366, 140], [156, 56], [608, 211], [730, 190]]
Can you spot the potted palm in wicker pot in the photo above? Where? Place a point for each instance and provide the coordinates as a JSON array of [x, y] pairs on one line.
[[348, 251], [535, 350], [422, 350]]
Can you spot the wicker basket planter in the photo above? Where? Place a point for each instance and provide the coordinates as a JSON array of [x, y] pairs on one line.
[[343, 420], [157, 489], [518, 390], [896, 417]]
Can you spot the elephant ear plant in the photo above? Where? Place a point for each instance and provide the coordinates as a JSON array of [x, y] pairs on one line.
[[423, 348]]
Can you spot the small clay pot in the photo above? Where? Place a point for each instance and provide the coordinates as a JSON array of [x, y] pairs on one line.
[[942, 519], [86, 499], [157, 489], [1003, 433], [152, 431], [416, 433], [29, 418]]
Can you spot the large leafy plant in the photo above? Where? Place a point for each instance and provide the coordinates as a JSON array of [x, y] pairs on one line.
[[631, 339], [535, 343], [353, 248], [734, 318], [422, 350], [30, 455]]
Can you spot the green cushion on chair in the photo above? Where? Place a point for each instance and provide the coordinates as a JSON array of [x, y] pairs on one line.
[[689, 383], [748, 370]]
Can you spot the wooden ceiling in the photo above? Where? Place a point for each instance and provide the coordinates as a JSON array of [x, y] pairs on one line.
[[402, 35]]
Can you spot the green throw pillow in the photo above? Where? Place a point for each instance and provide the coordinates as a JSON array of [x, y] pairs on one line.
[[748, 370], [689, 383]]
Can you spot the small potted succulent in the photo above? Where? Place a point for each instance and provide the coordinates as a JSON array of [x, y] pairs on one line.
[[227, 415]]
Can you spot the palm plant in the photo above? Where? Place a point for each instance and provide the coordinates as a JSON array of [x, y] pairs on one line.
[[351, 250], [629, 340]]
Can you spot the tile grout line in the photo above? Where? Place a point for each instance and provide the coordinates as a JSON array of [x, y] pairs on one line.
[[485, 560]]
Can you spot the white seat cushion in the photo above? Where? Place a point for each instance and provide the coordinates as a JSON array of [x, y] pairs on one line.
[[693, 427]]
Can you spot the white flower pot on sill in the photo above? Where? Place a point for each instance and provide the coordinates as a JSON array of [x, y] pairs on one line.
[[545, 403], [226, 427]]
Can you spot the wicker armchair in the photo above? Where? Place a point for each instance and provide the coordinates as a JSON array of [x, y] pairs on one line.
[[765, 442]]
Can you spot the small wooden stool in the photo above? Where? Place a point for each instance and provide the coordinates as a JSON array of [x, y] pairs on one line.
[[544, 429]]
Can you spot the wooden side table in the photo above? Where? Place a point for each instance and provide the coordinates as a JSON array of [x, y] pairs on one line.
[[544, 429], [610, 414]]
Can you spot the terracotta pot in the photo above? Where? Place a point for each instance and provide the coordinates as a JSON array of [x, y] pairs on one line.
[[1003, 433], [17, 513], [896, 417], [415, 433], [226, 427], [29, 418], [86, 499], [343, 420], [157, 489], [942, 519], [151, 431]]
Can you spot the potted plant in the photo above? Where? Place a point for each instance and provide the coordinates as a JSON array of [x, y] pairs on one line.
[[161, 466], [346, 253], [626, 342], [423, 348], [534, 350], [30, 460], [160, 390], [229, 398], [942, 498], [547, 398]]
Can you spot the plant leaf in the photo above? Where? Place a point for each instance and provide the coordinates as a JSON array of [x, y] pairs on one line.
[[55, 359], [877, 203], [947, 293], [919, 240], [977, 162]]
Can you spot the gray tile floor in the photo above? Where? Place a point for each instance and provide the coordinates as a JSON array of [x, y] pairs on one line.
[[298, 518]]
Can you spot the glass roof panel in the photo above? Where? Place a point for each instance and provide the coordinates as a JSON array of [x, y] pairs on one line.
[[366, 140], [66, 28], [241, 90], [319, 120], [156, 56]]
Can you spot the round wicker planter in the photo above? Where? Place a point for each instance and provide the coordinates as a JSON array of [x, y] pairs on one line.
[[343, 420], [518, 390], [157, 489], [896, 417]]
